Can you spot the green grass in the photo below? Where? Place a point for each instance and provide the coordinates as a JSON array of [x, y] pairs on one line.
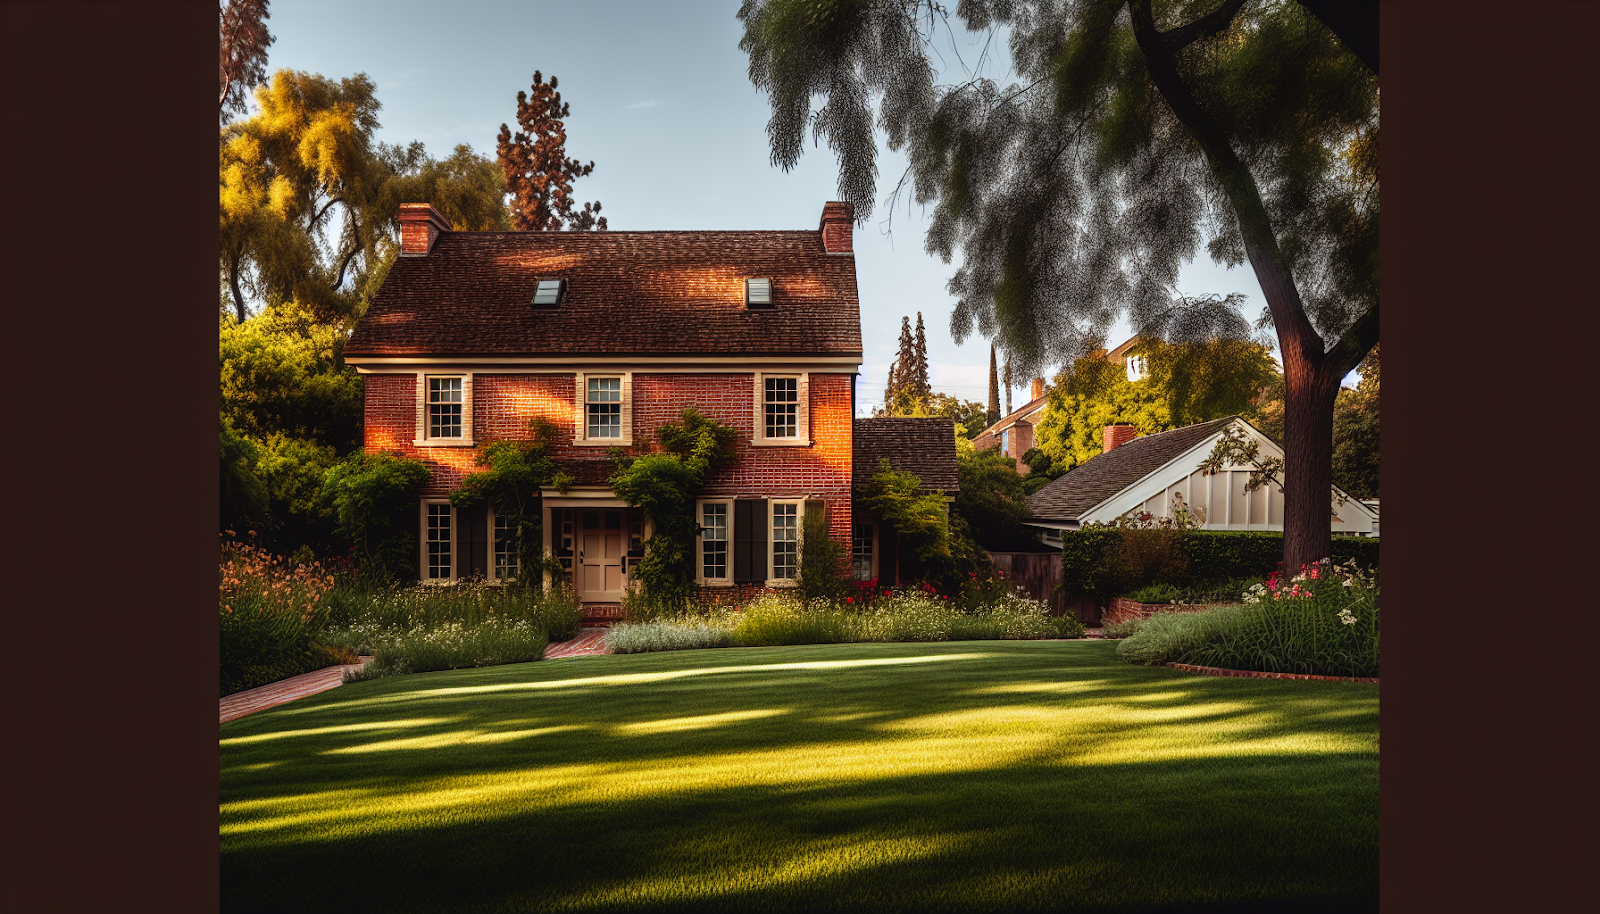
[[972, 776]]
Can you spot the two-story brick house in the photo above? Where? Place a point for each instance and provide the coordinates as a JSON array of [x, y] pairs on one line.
[[609, 335]]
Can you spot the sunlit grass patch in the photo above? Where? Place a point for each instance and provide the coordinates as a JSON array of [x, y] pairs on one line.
[[901, 777]]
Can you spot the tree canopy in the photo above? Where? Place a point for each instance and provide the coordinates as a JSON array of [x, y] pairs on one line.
[[244, 39], [537, 172], [309, 201], [1138, 133]]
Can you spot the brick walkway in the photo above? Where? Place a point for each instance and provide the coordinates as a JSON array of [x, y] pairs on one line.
[[590, 641], [261, 698]]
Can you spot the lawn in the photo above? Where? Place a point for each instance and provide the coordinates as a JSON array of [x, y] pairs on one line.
[[972, 776]]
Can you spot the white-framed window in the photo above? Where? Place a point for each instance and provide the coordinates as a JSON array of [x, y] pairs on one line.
[[507, 540], [758, 292], [782, 410], [715, 553], [786, 518], [444, 410], [604, 415], [863, 552], [438, 537]]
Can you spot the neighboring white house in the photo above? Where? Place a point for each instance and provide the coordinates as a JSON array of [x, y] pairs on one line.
[[1146, 473]]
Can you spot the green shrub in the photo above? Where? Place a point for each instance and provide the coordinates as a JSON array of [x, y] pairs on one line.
[[1324, 622], [773, 620], [374, 498], [1213, 556], [821, 560], [687, 633], [270, 613], [1119, 630], [557, 613], [1194, 594], [452, 646]]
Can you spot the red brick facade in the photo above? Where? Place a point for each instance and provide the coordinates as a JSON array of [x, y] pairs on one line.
[[503, 405]]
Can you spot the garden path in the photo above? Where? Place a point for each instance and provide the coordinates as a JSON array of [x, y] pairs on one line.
[[590, 641]]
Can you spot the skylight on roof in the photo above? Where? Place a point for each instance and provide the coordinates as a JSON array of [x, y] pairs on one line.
[[549, 292], [758, 292]]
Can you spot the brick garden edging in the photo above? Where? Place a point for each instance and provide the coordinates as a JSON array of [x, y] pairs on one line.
[[1123, 609], [1257, 674]]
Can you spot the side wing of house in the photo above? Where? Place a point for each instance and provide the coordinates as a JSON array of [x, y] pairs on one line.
[[1223, 496]]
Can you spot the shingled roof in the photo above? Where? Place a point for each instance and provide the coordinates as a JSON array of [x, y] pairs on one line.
[[924, 447], [626, 293], [1069, 497]]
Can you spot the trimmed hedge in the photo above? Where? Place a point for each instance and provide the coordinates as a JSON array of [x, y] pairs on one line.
[[1214, 555]]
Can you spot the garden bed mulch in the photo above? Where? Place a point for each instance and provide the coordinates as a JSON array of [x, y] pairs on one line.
[[1257, 674]]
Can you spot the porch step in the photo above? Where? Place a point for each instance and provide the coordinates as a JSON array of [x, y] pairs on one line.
[[602, 613]]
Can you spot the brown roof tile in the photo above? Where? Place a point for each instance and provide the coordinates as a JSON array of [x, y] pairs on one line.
[[924, 447], [627, 292], [1104, 476]]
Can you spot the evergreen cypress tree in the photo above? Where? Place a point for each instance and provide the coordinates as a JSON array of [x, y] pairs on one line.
[[922, 390], [994, 389]]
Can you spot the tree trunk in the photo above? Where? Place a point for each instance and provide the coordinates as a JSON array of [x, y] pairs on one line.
[[233, 284], [1308, 463]]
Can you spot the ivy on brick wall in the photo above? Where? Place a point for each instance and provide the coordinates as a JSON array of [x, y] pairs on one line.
[[664, 484], [1213, 555]]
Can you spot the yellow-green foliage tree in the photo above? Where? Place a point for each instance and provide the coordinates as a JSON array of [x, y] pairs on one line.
[[308, 201], [1188, 383]]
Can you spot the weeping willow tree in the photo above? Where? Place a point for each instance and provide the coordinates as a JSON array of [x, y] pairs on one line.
[[1137, 134]]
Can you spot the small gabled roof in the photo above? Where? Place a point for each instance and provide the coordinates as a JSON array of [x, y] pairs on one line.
[[923, 447], [625, 293], [1098, 479], [1016, 415]]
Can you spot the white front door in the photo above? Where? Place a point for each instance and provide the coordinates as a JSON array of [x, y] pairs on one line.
[[603, 545]]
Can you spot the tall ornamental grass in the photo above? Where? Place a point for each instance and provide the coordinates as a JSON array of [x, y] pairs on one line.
[[451, 646], [683, 634], [1323, 622], [271, 612], [892, 615]]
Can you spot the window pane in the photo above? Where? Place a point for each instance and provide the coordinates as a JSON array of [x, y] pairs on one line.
[[861, 552], [605, 390], [714, 540], [444, 421], [782, 400], [506, 538], [444, 390], [438, 542], [548, 293], [785, 540], [605, 420]]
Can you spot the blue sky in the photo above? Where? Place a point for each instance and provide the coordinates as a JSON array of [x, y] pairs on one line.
[[662, 104]]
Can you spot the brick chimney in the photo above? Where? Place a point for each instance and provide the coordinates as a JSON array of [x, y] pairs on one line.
[[1038, 388], [1116, 436], [420, 226], [837, 220]]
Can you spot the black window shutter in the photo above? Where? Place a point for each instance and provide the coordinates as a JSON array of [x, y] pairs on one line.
[[741, 541], [758, 540]]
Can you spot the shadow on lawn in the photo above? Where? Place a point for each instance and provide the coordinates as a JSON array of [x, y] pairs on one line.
[[976, 776]]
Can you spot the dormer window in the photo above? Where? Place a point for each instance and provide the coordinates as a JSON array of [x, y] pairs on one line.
[[758, 293], [1138, 368], [549, 292]]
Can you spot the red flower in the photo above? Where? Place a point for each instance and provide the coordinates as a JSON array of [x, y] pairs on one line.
[[849, 599]]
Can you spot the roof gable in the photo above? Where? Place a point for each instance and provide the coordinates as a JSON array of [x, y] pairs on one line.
[[1104, 476], [625, 293]]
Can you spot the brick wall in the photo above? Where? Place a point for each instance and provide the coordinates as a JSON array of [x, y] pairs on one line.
[[503, 404]]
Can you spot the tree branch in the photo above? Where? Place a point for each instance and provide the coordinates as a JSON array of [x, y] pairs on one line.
[[1261, 243], [1175, 40], [318, 217], [1354, 344], [344, 265]]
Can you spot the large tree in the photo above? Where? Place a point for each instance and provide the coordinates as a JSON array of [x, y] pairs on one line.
[[243, 42], [538, 173], [309, 201], [1137, 132]]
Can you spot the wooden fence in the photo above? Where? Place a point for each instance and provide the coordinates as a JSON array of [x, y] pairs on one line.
[[1039, 573]]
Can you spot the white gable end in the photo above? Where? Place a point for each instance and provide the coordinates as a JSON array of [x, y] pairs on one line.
[[1227, 505]]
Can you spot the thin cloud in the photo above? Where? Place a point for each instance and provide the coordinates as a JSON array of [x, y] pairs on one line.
[[652, 103]]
